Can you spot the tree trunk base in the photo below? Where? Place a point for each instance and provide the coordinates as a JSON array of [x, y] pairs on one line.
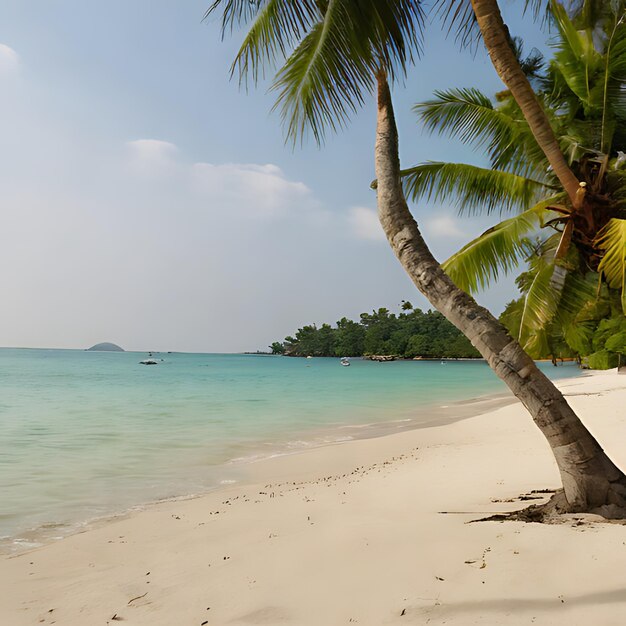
[[557, 511]]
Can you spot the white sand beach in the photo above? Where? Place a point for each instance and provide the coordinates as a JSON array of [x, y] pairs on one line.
[[368, 532]]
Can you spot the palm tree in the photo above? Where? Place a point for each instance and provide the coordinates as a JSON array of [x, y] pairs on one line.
[[335, 52], [498, 43], [581, 95]]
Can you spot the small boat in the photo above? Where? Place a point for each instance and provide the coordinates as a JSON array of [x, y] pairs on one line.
[[148, 362], [345, 361]]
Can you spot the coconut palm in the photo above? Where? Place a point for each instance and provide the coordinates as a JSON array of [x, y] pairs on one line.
[[583, 98], [333, 53]]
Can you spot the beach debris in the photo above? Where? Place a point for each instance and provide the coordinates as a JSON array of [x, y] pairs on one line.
[[484, 563], [206, 621], [137, 598], [439, 578], [117, 618], [403, 613]]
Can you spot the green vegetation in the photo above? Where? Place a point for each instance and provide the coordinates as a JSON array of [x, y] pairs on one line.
[[576, 253], [595, 334], [410, 334]]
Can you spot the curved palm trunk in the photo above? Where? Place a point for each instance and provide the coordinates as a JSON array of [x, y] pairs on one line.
[[590, 479], [496, 37]]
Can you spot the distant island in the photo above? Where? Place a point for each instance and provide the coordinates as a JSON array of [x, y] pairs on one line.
[[105, 347], [411, 334]]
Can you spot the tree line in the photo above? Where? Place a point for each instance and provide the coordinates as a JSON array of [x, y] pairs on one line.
[[410, 334]]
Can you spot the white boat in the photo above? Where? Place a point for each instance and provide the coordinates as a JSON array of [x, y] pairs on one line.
[[345, 361]]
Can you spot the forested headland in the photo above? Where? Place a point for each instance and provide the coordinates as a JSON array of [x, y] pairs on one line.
[[410, 334]]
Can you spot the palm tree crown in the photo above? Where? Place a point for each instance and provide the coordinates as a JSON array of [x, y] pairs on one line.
[[583, 91], [328, 52]]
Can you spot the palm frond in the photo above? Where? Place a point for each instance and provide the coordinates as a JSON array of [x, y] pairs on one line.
[[471, 117], [276, 28], [612, 240], [616, 343], [555, 290], [327, 76], [497, 251], [234, 12], [394, 30], [617, 52], [331, 50], [464, 113], [458, 17], [316, 88], [540, 9], [578, 61], [614, 92], [578, 335], [578, 321], [473, 189]]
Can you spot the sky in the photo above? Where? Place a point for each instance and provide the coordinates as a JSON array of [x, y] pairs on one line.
[[146, 199]]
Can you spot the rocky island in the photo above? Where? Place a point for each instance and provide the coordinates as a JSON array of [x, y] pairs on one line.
[[105, 347]]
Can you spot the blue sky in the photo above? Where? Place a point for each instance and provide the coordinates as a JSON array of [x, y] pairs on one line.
[[147, 200]]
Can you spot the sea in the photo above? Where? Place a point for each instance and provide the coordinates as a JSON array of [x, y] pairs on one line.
[[86, 435]]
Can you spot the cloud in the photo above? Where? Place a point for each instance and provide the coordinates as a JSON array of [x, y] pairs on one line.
[[9, 60], [255, 190], [230, 189], [151, 157], [443, 226], [364, 224], [152, 148]]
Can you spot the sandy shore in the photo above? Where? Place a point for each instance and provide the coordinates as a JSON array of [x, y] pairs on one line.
[[369, 532]]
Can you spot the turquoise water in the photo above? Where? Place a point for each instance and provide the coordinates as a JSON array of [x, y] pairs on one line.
[[87, 434]]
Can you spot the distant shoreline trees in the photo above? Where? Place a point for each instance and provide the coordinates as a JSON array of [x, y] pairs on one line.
[[410, 334]]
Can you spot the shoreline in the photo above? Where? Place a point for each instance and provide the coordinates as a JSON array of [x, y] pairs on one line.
[[373, 531], [121, 439], [30, 539]]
